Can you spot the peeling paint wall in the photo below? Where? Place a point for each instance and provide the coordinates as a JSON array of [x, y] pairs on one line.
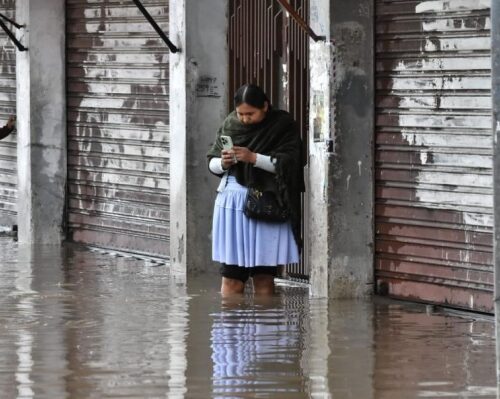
[[495, 73], [118, 126], [433, 152], [8, 146]]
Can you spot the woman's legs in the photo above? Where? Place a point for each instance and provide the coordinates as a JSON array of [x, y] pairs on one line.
[[234, 279], [231, 286], [263, 284]]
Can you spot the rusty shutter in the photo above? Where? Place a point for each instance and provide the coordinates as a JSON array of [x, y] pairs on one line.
[[118, 181], [8, 147], [434, 214]]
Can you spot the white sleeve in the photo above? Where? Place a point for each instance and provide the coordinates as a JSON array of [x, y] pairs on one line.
[[215, 166], [264, 162]]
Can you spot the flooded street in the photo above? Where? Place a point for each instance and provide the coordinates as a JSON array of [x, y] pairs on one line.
[[81, 324]]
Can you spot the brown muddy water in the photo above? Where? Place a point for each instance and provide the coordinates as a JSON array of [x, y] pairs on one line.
[[81, 324]]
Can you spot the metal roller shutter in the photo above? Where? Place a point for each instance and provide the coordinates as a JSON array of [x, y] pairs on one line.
[[434, 199], [8, 147], [118, 169]]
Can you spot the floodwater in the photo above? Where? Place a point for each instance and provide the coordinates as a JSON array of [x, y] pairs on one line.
[[80, 324]]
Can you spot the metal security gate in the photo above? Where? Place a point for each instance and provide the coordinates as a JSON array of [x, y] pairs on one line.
[[8, 147], [434, 216], [118, 168], [268, 48]]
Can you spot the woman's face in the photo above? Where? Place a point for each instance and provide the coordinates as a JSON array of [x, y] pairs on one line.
[[249, 115]]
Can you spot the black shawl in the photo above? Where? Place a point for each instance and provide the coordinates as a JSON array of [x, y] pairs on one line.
[[278, 136]]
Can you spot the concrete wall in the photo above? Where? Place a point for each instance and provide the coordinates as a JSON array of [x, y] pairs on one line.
[[41, 126], [198, 104], [347, 179], [495, 46]]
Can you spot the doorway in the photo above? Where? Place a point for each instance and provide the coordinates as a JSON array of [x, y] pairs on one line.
[[269, 49]]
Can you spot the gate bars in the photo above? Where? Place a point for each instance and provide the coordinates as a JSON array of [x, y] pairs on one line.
[[296, 16]]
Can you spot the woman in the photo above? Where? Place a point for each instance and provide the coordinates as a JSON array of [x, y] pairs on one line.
[[267, 152]]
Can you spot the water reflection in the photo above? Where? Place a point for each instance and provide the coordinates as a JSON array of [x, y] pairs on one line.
[[23, 295], [32, 321], [80, 325], [497, 335], [316, 350], [353, 349], [437, 355], [77, 324], [256, 346], [127, 329]]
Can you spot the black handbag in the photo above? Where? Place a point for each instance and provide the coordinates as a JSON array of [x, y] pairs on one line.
[[265, 205]]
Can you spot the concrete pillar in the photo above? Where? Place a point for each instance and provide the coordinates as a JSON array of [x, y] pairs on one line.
[[495, 73], [341, 182], [41, 126], [198, 105], [352, 262], [317, 248]]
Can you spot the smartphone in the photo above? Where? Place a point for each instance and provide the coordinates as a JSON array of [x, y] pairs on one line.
[[227, 142]]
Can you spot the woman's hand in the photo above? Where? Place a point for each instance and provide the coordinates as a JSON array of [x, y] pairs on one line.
[[228, 158], [243, 154], [237, 154]]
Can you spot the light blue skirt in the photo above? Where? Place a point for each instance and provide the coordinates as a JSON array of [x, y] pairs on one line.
[[239, 240]]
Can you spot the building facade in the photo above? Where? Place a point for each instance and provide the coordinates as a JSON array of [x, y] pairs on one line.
[[396, 108]]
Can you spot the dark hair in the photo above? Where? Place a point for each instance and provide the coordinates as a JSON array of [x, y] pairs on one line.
[[252, 95]]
